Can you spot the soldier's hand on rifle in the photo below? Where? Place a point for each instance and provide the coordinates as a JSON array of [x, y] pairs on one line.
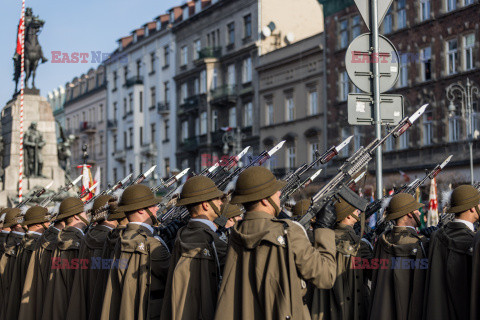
[[326, 217]]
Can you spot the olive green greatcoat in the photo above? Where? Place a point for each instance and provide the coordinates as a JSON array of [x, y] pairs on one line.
[[60, 283], [7, 264], [194, 275], [102, 275], [397, 292], [136, 291], [38, 274], [20, 272], [268, 262], [85, 279], [448, 286], [348, 299]]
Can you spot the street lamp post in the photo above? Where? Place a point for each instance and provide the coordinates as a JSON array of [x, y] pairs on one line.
[[466, 93], [235, 140]]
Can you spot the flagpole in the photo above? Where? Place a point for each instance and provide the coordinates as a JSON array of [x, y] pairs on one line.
[[22, 86]]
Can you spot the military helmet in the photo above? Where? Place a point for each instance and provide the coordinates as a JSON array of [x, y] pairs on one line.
[[198, 189], [343, 209], [99, 209], [463, 197], [301, 207], [137, 197], [13, 217], [231, 210], [70, 207], [255, 183], [400, 205], [3, 213], [36, 214]]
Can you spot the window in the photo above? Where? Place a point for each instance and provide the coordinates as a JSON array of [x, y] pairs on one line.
[[203, 81], [452, 56], [153, 133], [185, 13], [313, 146], [166, 92], [401, 14], [198, 6], [215, 79], [232, 117], [197, 47], [356, 29], [450, 5], [115, 139], [247, 70], [313, 102], [153, 97], [115, 174], [454, 128], [140, 101], [475, 118], [468, 46], [196, 86], [468, 2], [231, 33], [424, 10], [428, 127], [183, 92], [125, 73], [291, 157], [141, 135], [214, 120], [389, 143], [139, 68], [343, 86], [403, 71], [130, 137], [125, 140], [115, 80], [203, 123], [388, 22], [289, 109], [248, 114], [130, 102], [184, 56], [125, 106], [100, 113], [185, 130], [247, 26], [166, 56], [426, 56], [343, 33], [166, 128], [269, 119], [197, 127], [404, 140], [231, 75], [152, 62]]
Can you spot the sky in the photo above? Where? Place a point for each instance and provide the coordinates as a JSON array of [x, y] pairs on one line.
[[71, 26]]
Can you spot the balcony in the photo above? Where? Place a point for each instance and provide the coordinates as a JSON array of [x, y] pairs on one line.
[[225, 95], [112, 124], [210, 52], [120, 155], [189, 145], [88, 127], [163, 108], [133, 81], [192, 103]]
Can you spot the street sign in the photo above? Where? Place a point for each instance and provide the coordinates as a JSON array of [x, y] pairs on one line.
[[364, 8], [360, 109], [359, 59]]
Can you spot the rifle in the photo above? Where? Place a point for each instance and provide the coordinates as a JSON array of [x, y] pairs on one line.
[[65, 188], [169, 182], [410, 188], [141, 177], [293, 179], [36, 194], [261, 159], [232, 161], [338, 185]]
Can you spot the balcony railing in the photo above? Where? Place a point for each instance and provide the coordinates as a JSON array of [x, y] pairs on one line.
[[210, 52], [163, 107], [190, 144], [134, 80], [112, 124], [226, 94], [87, 127], [192, 103]]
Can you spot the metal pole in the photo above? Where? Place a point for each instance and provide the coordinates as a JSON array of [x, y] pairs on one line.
[[376, 95], [469, 127]]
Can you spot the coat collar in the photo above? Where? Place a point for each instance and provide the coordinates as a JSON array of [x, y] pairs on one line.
[[254, 215], [202, 223]]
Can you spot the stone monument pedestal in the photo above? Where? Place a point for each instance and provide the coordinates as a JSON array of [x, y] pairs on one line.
[[36, 108]]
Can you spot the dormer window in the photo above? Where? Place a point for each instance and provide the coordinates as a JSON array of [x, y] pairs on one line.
[[198, 6], [185, 13], [172, 17], [135, 37]]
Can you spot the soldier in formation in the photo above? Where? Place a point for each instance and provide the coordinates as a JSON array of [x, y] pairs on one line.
[[233, 257]]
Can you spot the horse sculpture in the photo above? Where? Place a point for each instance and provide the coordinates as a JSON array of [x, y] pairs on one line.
[[33, 50]]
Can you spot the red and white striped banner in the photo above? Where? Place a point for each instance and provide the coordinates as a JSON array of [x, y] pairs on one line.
[[21, 29]]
